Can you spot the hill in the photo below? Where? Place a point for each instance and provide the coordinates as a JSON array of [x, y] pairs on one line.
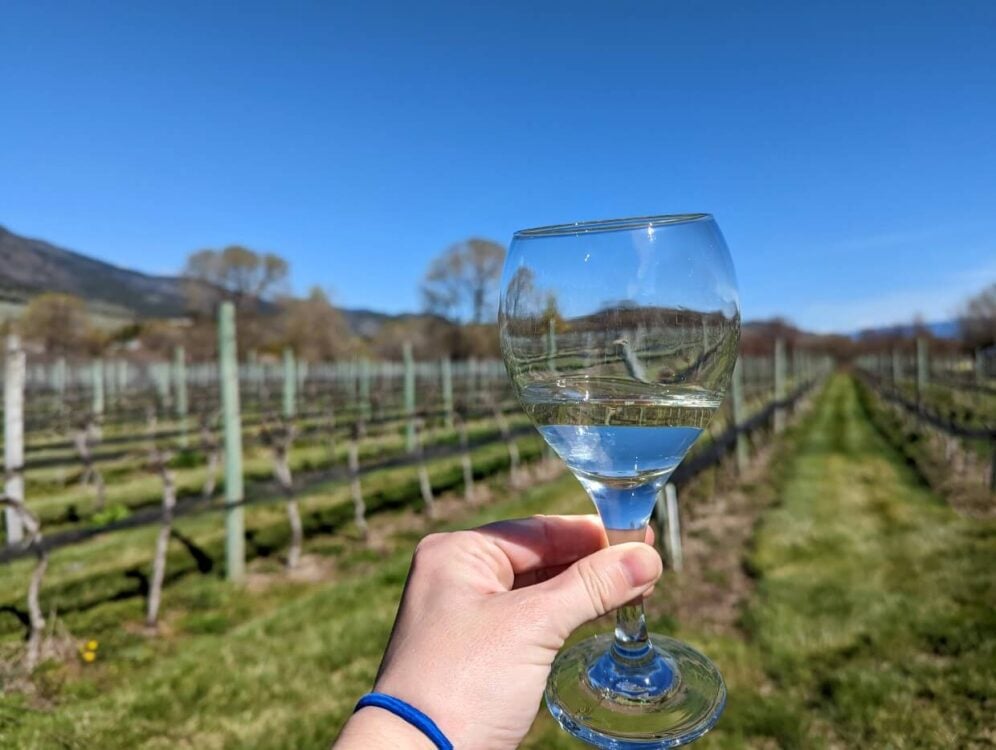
[[944, 329], [29, 267], [115, 295]]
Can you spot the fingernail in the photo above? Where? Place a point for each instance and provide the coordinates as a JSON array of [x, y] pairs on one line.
[[642, 565]]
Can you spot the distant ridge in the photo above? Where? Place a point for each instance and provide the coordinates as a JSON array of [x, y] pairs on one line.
[[29, 267], [943, 329]]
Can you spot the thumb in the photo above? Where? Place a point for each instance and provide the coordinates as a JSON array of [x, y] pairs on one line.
[[598, 583]]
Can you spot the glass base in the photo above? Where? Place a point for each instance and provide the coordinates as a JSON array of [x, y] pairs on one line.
[[669, 696]]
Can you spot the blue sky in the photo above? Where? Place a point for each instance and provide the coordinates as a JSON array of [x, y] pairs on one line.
[[848, 150]]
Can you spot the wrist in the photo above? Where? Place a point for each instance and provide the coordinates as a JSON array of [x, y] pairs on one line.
[[373, 728], [443, 710]]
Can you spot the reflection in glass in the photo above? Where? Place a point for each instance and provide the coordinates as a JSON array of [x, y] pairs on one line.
[[620, 338]]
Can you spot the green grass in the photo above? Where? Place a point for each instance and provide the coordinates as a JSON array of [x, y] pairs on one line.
[[873, 618], [871, 625]]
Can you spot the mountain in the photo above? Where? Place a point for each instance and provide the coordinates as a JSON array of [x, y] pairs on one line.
[[944, 329], [29, 267], [114, 295]]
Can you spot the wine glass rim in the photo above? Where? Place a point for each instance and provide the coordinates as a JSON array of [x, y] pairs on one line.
[[611, 225]]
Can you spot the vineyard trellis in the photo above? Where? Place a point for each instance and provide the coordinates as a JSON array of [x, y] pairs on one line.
[[954, 396], [366, 417]]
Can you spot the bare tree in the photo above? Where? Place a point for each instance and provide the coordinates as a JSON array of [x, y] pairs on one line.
[[313, 328], [977, 321], [56, 321], [279, 437], [235, 273], [465, 275], [33, 540]]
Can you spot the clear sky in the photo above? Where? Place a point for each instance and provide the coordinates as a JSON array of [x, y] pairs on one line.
[[847, 149]]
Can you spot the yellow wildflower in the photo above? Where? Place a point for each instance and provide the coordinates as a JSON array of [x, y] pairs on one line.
[[91, 645], [89, 657]]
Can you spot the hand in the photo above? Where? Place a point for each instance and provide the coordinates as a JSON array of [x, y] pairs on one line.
[[483, 614]]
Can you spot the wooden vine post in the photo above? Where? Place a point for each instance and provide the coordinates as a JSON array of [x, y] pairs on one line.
[[180, 386], [211, 448], [551, 345], [159, 464], [290, 384], [424, 484], [59, 383], [740, 416], [465, 459], [365, 412], [672, 536], [779, 384], [97, 378], [516, 477], [922, 369], [235, 555], [409, 374], [355, 489], [13, 436], [279, 439], [331, 426], [446, 375]]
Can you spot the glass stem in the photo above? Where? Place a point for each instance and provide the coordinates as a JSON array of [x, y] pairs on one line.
[[631, 646]]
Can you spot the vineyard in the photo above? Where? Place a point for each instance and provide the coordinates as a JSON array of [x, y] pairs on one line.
[[214, 549]]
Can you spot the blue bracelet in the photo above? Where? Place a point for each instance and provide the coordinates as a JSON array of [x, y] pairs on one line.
[[409, 713]]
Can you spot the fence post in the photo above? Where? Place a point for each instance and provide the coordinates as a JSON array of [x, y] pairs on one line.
[[409, 396], [551, 345], [465, 459], [739, 416], [922, 372], [355, 489], [446, 369], [235, 557], [123, 373], [897, 368], [424, 483], [60, 382], [180, 386], [290, 384], [365, 413], [97, 376], [161, 374], [779, 383], [13, 436], [668, 517], [980, 369]]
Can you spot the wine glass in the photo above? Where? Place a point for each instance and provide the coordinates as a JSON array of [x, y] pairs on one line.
[[620, 338]]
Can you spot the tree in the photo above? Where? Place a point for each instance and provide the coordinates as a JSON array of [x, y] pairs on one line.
[[56, 321], [314, 328], [465, 276], [235, 273], [977, 321]]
